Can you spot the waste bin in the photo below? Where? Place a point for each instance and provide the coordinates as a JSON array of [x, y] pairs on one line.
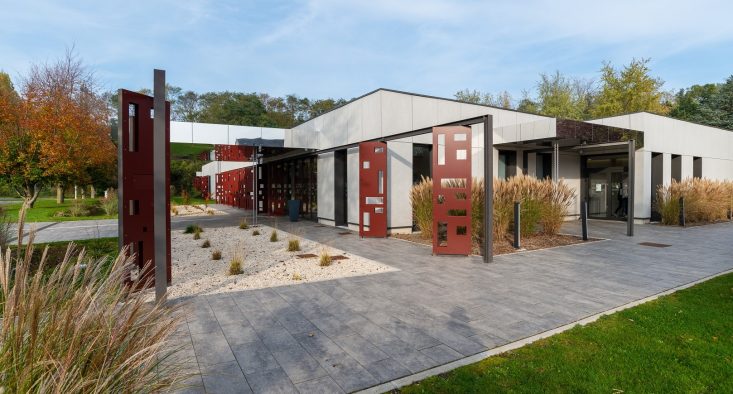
[[294, 210]]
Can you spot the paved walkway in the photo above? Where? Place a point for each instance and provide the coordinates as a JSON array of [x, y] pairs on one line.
[[88, 229], [351, 334]]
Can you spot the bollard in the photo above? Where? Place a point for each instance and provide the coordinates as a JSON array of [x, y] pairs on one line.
[[517, 225], [682, 211], [584, 219]]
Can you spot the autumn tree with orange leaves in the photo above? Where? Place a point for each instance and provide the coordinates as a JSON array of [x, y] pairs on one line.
[[54, 130]]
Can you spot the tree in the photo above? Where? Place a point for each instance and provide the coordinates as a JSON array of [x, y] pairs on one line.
[[631, 89], [527, 104], [563, 97], [187, 107], [55, 131], [501, 100], [320, 107], [723, 104], [243, 109]]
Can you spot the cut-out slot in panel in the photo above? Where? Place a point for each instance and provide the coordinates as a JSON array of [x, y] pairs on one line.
[[380, 181], [378, 149], [133, 134], [456, 212], [374, 200], [461, 230], [461, 196], [134, 207], [442, 234], [378, 210], [460, 154], [459, 137], [441, 149], [365, 165], [453, 183], [365, 220], [441, 198]]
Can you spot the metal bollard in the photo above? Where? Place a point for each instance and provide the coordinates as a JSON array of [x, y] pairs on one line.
[[584, 219], [517, 225], [682, 211]]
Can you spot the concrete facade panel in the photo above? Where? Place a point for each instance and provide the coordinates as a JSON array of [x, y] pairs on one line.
[[399, 176], [325, 186], [424, 112], [448, 111], [396, 113], [354, 116], [371, 120], [352, 187]]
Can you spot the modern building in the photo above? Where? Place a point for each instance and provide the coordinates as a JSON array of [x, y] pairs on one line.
[[318, 161]]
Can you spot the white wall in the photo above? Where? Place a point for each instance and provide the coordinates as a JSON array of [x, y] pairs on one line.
[[399, 176], [325, 187], [215, 167], [209, 133], [352, 188]]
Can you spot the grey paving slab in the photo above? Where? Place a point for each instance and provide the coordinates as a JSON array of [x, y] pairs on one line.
[[352, 333], [225, 378]]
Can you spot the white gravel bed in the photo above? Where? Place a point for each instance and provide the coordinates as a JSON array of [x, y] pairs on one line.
[[194, 210], [266, 264]]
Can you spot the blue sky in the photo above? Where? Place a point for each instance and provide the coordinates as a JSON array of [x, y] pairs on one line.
[[332, 48]]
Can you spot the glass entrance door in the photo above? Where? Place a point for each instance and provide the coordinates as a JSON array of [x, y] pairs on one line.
[[606, 191]]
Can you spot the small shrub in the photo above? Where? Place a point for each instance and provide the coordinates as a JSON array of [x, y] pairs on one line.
[[193, 228], [421, 199], [255, 232], [197, 234], [78, 208], [210, 212], [273, 236], [243, 224], [235, 266], [297, 276], [109, 203], [293, 245], [206, 244], [174, 209], [185, 197], [325, 259], [216, 254]]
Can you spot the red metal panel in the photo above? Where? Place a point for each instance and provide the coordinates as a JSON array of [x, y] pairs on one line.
[[277, 187], [201, 183], [136, 161], [373, 189], [233, 152], [452, 190]]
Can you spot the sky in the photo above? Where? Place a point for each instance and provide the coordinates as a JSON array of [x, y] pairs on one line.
[[343, 49]]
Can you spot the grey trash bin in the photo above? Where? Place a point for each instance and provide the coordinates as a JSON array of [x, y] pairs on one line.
[[294, 210]]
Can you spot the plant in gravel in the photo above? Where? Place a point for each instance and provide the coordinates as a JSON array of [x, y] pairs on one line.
[[174, 210], [255, 232], [210, 212], [325, 259], [216, 254], [243, 224], [273, 236], [206, 244], [297, 276], [197, 234], [192, 228], [235, 265], [293, 245], [61, 327]]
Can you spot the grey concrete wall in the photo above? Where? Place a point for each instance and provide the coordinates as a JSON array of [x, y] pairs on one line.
[[325, 186]]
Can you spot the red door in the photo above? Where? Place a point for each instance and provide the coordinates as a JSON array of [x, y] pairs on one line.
[[373, 189], [452, 190]]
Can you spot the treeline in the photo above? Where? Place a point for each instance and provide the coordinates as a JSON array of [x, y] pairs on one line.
[[245, 109], [627, 89]]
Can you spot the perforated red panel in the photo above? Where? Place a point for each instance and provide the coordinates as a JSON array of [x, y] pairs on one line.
[[135, 156], [452, 190], [373, 189], [233, 152], [201, 183]]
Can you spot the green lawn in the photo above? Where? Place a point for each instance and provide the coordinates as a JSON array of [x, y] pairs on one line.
[[182, 150], [45, 209], [94, 248], [679, 343], [178, 200]]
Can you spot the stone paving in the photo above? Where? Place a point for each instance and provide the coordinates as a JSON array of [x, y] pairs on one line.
[[351, 334]]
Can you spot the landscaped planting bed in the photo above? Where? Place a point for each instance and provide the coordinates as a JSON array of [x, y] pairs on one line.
[[262, 261]]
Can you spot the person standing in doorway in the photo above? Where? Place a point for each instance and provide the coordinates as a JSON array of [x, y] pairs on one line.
[[625, 196]]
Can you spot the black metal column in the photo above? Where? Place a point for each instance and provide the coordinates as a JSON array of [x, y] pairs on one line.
[[631, 191], [488, 189], [555, 161]]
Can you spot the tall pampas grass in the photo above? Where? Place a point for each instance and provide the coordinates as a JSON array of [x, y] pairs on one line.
[[421, 199], [78, 329], [706, 200]]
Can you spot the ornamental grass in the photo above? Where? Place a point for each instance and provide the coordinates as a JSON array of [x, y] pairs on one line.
[[706, 201], [77, 328]]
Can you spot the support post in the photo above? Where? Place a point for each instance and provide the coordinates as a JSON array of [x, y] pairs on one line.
[[159, 186], [630, 188], [488, 189], [555, 161], [517, 225], [682, 212], [584, 219]]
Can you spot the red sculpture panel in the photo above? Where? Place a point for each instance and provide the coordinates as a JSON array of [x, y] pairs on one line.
[[136, 179], [373, 189], [233, 152], [452, 190]]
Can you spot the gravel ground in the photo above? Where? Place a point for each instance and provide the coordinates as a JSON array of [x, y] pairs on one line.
[[266, 263], [194, 210]]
